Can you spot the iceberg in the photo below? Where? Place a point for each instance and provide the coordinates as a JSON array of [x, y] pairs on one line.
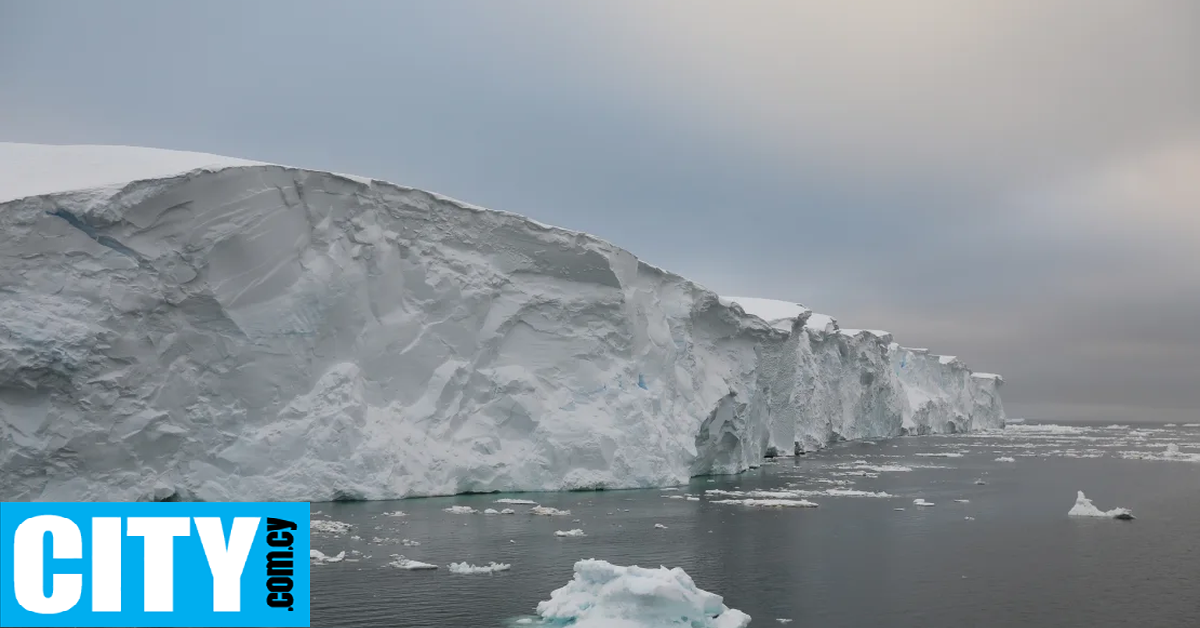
[[1084, 508], [603, 595], [467, 568], [180, 326]]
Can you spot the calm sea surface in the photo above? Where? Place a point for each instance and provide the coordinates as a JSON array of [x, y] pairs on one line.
[[852, 562]]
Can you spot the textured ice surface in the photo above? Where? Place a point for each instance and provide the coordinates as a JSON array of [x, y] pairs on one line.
[[467, 568], [1084, 508], [256, 332], [603, 595]]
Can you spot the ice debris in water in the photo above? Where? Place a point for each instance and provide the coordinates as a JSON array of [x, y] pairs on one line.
[[768, 503], [575, 532], [920, 501], [1006, 459], [524, 502], [329, 527], [408, 543], [320, 558], [464, 567], [963, 501], [401, 562], [460, 510], [395, 513], [549, 511], [603, 595], [980, 482], [1084, 508], [508, 511], [491, 511], [660, 526]]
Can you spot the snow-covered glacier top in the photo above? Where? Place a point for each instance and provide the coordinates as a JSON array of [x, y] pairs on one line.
[[33, 169], [187, 326]]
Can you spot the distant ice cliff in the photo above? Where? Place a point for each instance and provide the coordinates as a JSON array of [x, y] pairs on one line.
[[191, 327]]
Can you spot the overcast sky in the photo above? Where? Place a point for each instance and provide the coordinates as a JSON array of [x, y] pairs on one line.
[[1016, 182]]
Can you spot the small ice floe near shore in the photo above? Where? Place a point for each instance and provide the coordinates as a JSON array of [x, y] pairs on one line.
[[394, 513], [1084, 508], [920, 501], [466, 568], [575, 532], [548, 511], [1006, 459], [659, 526], [519, 502], [400, 562], [460, 510], [603, 595], [319, 558], [326, 526]]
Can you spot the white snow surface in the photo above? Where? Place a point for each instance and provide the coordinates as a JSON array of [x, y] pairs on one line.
[[603, 595], [1084, 508], [197, 327]]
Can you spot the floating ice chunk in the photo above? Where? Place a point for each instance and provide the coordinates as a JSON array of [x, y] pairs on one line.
[[329, 527], [900, 509], [508, 511], [1084, 508], [461, 510], [882, 468], [1115, 427], [395, 513], [692, 498], [549, 511], [769, 503], [575, 532], [491, 511], [940, 454], [963, 501], [1006, 459], [660, 526], [1191, 425], [319, 558], [525, 502], [671, 488], [920, 501], [466, 568], [980, 482], [401, 562], [849, 492], [408, 543], [783, 620], [968, 518], [603, 595], [1170, 425]]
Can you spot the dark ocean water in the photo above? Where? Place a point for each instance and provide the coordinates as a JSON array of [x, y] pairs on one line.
[[852, 562]]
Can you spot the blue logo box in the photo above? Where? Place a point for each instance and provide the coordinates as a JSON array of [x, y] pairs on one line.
[[154, 564]]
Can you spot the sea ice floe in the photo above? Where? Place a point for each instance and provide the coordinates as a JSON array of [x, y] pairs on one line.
[[921, 502], [466, 568], [549, 511], [320, 559], [769, 503], [1084, 508], [523, 502], [508, 511], [325, 526], [575, 532], [660, 526], [940, 454], [460, 510], [395, 513], [603, 595], [1006, 459], [401, 562]]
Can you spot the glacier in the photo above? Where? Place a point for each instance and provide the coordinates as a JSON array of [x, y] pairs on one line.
[[181, 326]]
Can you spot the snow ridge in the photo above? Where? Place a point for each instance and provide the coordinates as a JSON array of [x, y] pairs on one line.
[[243, 331]]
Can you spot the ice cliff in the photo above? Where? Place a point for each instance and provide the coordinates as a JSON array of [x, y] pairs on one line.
[[185, 326]]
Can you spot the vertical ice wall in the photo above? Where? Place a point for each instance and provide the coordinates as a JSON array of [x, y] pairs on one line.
[[260, 332]]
